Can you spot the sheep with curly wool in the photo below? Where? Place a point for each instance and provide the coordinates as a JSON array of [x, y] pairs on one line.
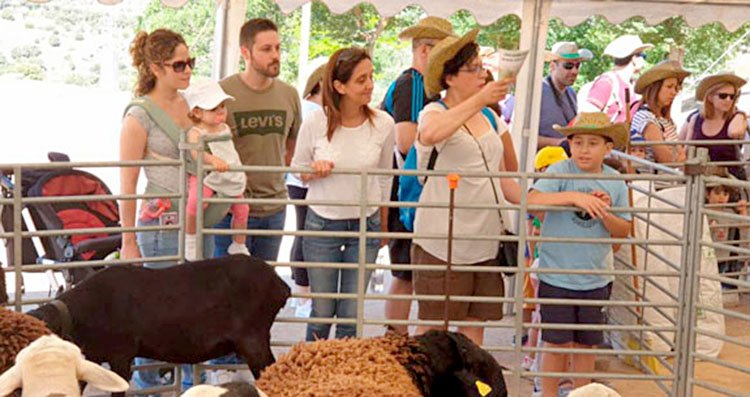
[[51, 366], [436, 364], [17, 330], [594, 390]]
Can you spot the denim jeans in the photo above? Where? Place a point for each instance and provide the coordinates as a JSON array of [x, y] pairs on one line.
[[264, 247], [341, 250], [151, 244]]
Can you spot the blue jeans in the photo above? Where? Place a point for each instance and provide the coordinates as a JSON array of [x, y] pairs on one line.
[[151, 244], [264, 247], [341, 250]]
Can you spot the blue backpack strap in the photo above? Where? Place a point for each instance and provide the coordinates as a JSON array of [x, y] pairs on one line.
[[490, 114], [410, 187]]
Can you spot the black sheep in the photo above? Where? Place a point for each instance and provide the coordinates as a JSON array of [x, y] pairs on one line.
[[456, 366], [183, 314]]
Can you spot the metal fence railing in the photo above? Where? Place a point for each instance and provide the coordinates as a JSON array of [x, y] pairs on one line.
[[655, 313]]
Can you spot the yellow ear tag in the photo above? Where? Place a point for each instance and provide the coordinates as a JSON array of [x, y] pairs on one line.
[[484, 389]]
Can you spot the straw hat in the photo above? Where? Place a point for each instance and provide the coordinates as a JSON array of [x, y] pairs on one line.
[[444, 51], [549, 155], [662, 71], [597, 123], [428, 28], [720, 78], [625, 46], [567, 51], [315, 77]]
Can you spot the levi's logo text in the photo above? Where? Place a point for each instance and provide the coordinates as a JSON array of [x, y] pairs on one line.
[[260, 122]]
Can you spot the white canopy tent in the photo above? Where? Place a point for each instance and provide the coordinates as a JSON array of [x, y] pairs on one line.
[[534, 15]]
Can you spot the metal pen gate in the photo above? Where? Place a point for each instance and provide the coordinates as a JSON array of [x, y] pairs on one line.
[[646, 292]]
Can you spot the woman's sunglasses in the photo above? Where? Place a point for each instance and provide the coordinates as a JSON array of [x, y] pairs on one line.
[[725, 95], [179, 66]]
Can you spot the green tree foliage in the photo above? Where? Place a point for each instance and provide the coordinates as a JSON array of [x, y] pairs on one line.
[[363, 26], [194, 21], [7, 14], [82, 80], [30, 71], [25, 53], [702, 45], [54, 41]]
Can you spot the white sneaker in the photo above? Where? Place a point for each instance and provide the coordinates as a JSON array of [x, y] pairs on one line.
[[237, 248], [190, 247]]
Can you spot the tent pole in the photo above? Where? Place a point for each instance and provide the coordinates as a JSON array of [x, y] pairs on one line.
[[525, 124], [534, 26], [220, 33], [230, 15], [304, 47]]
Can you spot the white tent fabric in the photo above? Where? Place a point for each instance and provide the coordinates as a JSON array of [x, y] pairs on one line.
[[731, 13], [167, 3]]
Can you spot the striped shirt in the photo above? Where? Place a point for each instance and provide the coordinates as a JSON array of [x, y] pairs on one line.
[[642, 118]]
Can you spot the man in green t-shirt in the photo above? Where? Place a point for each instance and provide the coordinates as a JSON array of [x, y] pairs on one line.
[[264, 117]]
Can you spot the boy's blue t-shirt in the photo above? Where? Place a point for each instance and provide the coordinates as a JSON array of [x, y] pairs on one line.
[[577, 224]]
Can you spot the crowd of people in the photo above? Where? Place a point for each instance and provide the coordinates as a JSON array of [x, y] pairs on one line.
[[439, 110]]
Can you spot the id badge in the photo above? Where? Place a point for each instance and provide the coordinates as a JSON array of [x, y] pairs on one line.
[[168, 218]]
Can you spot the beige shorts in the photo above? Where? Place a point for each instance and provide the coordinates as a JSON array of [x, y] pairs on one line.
[[428, 282]]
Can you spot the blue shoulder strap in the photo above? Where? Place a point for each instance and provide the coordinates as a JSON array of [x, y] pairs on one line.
[[490, 114]]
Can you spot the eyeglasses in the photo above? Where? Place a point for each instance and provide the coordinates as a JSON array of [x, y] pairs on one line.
[[179, 66], [724, 96], [475, 69], [571, 65], [640, 55]]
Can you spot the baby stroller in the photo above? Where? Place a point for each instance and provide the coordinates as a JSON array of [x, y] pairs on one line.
[[63, 216]]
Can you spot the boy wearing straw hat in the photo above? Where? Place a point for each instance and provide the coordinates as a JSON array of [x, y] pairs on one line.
[[558, 97], [406, 97], [592, 137]]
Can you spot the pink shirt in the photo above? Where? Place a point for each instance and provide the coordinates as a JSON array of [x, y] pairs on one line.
[[601, 96]]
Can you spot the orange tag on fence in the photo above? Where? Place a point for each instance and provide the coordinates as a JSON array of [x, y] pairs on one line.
[[453, 181]]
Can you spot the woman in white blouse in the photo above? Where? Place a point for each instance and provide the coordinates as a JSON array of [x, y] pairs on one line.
[[346, 133], [467, 139]]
